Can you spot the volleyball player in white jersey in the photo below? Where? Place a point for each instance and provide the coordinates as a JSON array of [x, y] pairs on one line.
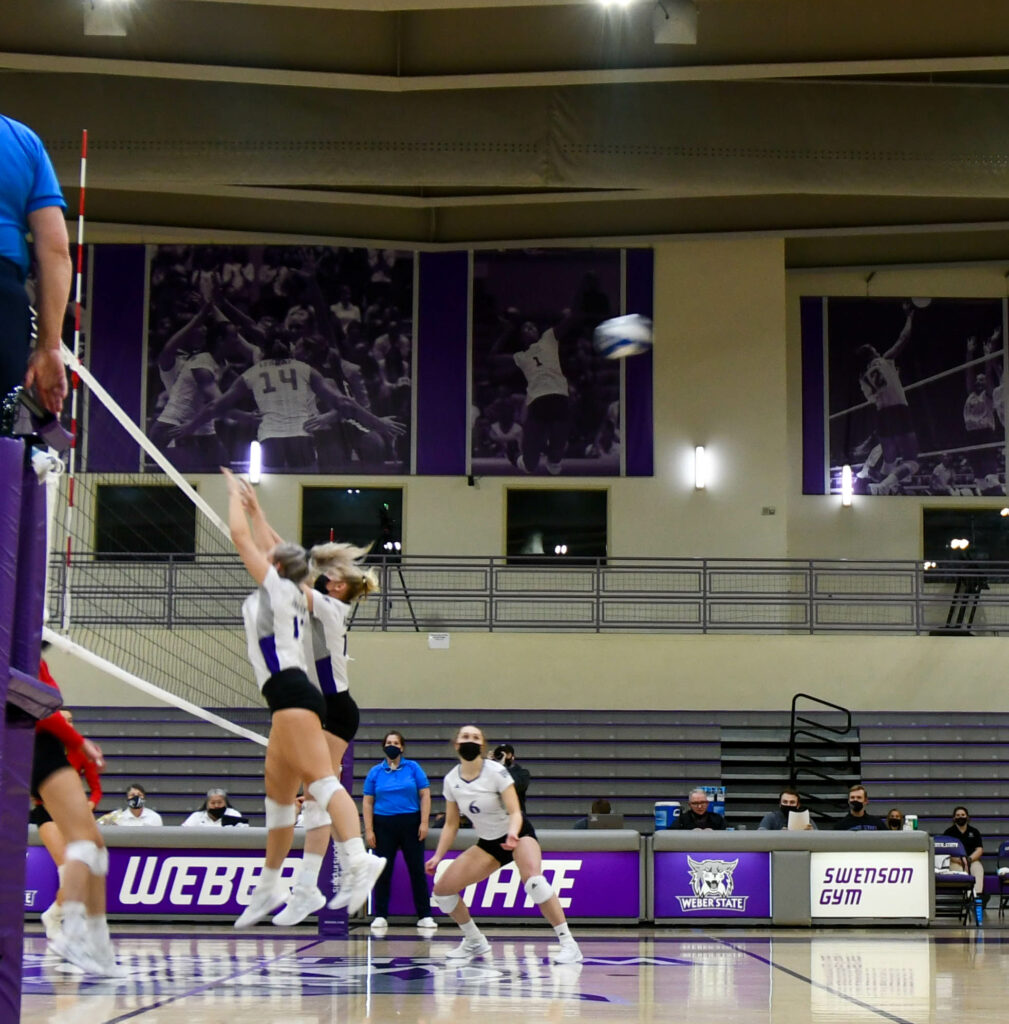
[[276, 616], [339, 582], [286, 391], [486, 792], [881, 385], [979, 411], [548, 414]]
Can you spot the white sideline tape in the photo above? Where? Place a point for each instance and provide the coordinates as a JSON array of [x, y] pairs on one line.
[[76, 651], [141, 438]]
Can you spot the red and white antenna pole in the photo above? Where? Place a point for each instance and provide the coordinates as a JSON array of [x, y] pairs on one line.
[[75, 380]]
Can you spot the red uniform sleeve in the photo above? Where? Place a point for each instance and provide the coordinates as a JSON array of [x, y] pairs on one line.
[[55, 724]]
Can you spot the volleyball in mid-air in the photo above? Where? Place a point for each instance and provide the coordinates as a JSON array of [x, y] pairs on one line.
[[623, 336], [921, 303]]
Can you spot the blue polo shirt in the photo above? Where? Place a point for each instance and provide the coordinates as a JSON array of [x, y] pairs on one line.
[[396, 792], [27, 183]]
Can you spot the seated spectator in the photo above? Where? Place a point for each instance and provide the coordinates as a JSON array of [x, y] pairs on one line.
[[134, 813], [505, 754], [856, 820], [776, 820], [216, 811], [697, 815], [598, 807], [895, 820], [963, 830]]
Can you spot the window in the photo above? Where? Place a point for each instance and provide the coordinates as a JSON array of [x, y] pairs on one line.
[[147, 523], [553, 525], [360, 515]]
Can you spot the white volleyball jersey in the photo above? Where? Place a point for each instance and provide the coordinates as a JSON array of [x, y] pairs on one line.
[[541, 364], [185, 399], [327, 641], [275, 616], [881, 384], [998, 401], [978, 412], [283, 393], [480, 800]]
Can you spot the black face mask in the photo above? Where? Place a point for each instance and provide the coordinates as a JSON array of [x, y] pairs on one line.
[[216, 812], [469, 751], [855, 806], [392, 752], [894, 823], [135, 801], [960, 821], [785, 808]]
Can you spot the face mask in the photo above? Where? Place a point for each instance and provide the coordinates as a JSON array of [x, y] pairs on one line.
[[785, 808], [894, 823], [469, 751], [855, 806], [135, 801], [392, 752], [216, 812], [960, 821]]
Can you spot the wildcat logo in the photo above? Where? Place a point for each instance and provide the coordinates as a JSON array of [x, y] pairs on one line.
[[712, 883]]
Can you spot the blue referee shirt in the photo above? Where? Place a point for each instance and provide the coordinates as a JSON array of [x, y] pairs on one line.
[[27, 183], [396, 792]]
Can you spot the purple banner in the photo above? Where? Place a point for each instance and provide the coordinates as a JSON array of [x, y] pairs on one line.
[[165, 881], [813, 438], [589, 883], [638, 372], [712, 885]]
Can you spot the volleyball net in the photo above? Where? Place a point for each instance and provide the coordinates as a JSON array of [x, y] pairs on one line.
[[144, 586]]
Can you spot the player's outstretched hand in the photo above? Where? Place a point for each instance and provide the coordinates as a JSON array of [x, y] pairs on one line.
[[392, 427]]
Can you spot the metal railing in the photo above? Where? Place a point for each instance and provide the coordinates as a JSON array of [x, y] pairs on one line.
[[613, 595]]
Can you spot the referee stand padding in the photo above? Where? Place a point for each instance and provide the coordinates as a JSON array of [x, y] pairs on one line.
[[22, 590]]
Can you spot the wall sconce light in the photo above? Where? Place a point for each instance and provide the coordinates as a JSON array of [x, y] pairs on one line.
[[255, 462], [700, 468], [846, 487]]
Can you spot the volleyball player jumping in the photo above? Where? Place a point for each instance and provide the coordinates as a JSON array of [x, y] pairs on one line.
[[275, 618]]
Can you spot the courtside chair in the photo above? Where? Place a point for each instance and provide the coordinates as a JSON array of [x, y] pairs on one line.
[[954, 889]]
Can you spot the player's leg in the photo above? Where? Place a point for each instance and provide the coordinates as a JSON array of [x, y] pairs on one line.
[[56, 845], [471, 866], [529, 861], [534, 439]]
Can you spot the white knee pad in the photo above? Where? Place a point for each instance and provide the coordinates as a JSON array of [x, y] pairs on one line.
[[280, 815], [89, 854], [314, 816], [103, 860], [538, 889], [59, 871], [446, 904], [322, 790]]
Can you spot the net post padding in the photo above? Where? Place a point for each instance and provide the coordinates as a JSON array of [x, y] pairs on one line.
[[75, 650], [22, 581]]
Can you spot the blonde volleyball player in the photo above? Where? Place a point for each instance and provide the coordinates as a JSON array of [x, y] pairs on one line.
[[275, 618], [486, 792], [339, 582]]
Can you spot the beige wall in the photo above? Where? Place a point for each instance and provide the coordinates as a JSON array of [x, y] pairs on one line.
[[397, 670], [727, 361]]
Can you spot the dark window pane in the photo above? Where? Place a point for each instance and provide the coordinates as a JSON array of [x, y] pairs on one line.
[[986, 533], [360, 515], [148, 523], [552, 525]]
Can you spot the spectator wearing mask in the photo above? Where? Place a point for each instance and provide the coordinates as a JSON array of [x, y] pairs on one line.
[[857, 820], [135, 812], [216, 811], [697, 815], [895, 820], [973, 844], [776, 820], [504, 753]]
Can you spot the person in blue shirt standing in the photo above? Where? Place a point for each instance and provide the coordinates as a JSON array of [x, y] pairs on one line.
[[397, 808], [31, 200]]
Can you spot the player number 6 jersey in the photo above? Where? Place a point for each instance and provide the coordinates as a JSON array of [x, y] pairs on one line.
[[480, 800]]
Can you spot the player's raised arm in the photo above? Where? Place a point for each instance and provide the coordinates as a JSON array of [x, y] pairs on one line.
[[905, 334]]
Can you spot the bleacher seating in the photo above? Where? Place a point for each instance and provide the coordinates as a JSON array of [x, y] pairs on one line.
[[925, 763]]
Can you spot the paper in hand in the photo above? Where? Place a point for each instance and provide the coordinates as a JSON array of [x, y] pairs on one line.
[[797, 820]]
